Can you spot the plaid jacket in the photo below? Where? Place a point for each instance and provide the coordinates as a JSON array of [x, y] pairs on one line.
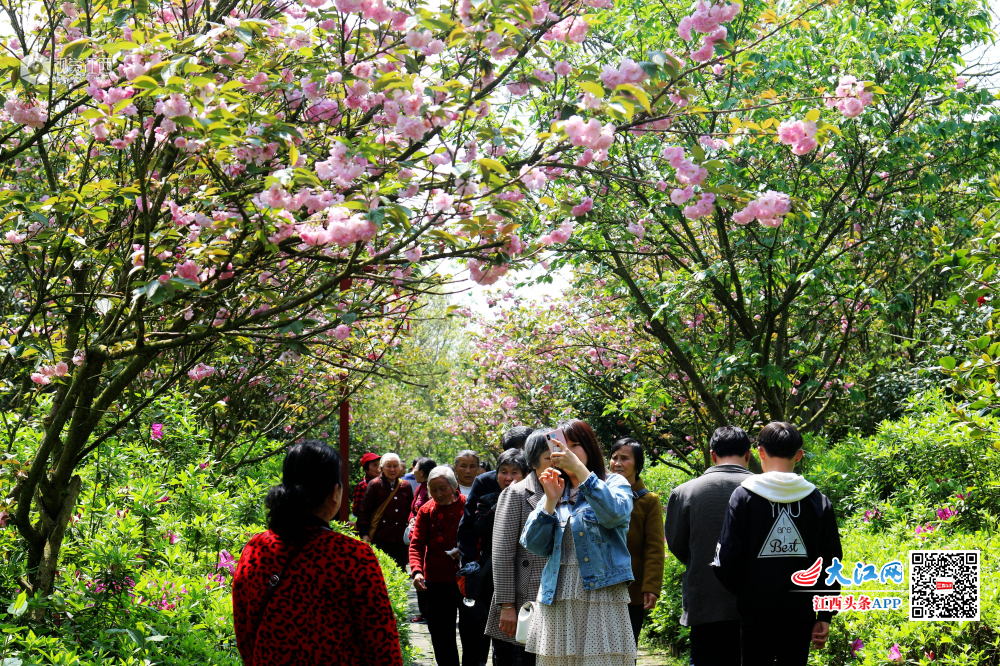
[[517, 573]]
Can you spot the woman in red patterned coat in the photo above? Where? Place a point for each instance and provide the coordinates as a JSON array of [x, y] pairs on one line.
[[434, 561], [303, 594]]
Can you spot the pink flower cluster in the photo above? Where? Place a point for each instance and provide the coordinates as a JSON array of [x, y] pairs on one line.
[[559, 235], [47, 372], [688, 173], [850, 97], [201, 372], [628, 72], [31, 114], [590, 134], [156, 431], [573, 29], [769, 209], [636, 229], [342, 229], [706, 19], [482, 272], [704, 206], [174, 105], [799, 134], [583, 207]]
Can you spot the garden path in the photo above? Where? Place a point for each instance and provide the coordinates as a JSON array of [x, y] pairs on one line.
[[421, 639]]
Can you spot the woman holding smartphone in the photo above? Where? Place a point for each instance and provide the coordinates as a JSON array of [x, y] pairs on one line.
[[581, 615], [517, 572]]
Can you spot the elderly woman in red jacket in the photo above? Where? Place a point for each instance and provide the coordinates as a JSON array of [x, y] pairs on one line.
[[434, 561]]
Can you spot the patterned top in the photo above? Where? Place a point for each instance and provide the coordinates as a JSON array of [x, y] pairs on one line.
[[358, 495], [331, 601]]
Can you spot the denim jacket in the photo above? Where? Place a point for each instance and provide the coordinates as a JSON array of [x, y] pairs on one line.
[[599, 520]]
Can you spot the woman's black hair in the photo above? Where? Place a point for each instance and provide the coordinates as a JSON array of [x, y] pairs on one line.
[[513, 457], [309, 474], [425, 465], [637, 452]]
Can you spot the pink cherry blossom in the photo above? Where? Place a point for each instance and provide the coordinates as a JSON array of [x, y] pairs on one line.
[[342, 332], [189, 270], [583, 207]]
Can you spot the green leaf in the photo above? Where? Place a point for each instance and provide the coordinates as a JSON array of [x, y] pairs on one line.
[[595, 89], [19, 606], [948, 363]]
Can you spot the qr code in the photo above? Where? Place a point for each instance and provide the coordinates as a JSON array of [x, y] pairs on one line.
[[944, 585]]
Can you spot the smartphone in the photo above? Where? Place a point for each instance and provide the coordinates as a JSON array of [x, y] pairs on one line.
[[556, 439]]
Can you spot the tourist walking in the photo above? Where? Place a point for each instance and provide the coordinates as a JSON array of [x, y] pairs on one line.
[[517, 572], [466, 470], [370, 470], [329, 601], [385, 510], [420, 495], [420, 471], [645, 533], [484, 484], [580, 527], [433, 558], [511, 468], [695, 512]]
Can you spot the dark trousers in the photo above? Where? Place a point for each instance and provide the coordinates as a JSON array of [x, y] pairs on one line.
[[760, 644], [715, 644], [636, 615], [511, 654], [422, 603], [441, 603], [399, 552], [472, 629]]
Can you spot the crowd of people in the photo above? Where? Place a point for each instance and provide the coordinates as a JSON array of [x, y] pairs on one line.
[[554, 558]]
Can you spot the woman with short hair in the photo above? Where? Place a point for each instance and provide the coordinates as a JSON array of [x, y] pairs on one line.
[[433, 557], [517, 572], [328, 596], [385, 510], [581, 615], [645, 532], [466, 470]]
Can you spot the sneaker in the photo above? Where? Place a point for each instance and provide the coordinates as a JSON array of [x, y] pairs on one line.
[[420, 619]]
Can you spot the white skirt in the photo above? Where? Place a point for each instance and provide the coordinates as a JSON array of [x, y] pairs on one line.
[[582, 627]]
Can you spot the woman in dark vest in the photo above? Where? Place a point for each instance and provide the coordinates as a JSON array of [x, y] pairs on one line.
[[385, 510]]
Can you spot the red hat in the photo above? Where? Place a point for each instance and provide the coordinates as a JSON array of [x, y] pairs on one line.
[[367, 458]]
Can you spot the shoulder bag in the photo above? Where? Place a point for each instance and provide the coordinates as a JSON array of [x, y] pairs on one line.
[[377, 516], [273, 581]]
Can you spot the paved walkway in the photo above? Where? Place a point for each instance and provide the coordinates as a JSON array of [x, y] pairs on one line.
[[420, 638]]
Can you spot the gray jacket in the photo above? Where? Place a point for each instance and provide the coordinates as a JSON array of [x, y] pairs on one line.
[[517, 573], [695, 512]]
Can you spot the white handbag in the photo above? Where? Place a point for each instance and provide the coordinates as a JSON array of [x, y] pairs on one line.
[[524, 622]]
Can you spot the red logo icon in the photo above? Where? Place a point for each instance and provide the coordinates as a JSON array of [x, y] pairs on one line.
[[808, 577]]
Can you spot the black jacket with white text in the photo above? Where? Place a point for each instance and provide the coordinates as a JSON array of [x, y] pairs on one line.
[[776, 524]]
